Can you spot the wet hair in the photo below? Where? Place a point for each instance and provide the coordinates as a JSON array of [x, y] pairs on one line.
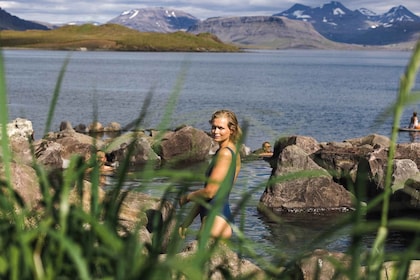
[[232, 123]]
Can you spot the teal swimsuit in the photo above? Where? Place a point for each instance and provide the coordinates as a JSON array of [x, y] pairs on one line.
[[226, 213]]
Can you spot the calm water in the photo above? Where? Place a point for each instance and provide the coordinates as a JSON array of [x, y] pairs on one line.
[[329, 95]]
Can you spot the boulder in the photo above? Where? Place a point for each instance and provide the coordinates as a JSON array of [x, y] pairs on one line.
[[20, 128], [154, 214], [340, 161], [322, 265], [25, 182], [95, 127], [49, 154], [299, 184], [408, 151], [112, 127], [119, 147], [409, 195], [136, 209], [325, 265], [374, 140], [184, 146], [223, 261], [21, 135], [308, 144], [65, 125]]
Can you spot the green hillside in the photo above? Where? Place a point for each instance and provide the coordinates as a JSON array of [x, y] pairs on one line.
[[111, 37]]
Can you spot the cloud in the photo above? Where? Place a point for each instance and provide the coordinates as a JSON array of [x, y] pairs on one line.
[[62, 11]]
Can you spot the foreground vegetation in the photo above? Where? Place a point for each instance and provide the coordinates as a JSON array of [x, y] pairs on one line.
[[64, 241], [111, 37]]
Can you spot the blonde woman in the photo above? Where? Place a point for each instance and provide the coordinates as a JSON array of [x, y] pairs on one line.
[[224, 167]]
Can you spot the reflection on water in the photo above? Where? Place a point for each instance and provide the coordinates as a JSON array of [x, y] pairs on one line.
[[414, 136]]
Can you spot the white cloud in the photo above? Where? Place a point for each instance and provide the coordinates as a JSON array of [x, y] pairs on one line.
[[61, 11]]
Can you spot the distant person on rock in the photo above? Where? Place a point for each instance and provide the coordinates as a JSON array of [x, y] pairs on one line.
[[414, 121]]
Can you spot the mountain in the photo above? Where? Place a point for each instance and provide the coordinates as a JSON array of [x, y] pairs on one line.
[[271, 32], [338, 23], [9, 22], [155, 20]]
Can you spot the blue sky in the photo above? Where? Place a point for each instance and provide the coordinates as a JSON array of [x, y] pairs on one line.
[[63, 11]]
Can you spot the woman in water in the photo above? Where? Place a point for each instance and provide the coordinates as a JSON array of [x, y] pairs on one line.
[[221, 173]]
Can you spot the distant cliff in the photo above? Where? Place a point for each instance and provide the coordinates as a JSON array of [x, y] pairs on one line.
[[271, 32]]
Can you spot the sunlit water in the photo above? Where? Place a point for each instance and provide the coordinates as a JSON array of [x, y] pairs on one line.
[[329, 95]]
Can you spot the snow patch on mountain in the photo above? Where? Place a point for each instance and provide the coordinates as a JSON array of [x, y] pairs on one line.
[[301, 15]]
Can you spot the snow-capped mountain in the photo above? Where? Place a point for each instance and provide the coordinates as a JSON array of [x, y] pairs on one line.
[[398, 14], [155, 20], [362, 26]]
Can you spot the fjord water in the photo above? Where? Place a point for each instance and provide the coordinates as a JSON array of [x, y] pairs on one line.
[[328, 95]]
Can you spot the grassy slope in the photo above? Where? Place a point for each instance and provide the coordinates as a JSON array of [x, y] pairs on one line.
[[111, 37]]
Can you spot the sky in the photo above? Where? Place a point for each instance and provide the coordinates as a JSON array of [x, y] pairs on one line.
[[64, 11]]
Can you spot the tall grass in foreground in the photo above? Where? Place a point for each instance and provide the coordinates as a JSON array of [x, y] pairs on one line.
[[64, 241]]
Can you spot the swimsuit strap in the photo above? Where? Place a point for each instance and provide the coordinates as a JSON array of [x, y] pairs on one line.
[[230, 149]]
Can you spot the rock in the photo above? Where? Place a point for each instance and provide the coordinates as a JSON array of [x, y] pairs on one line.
[[391, 268], [142, 152], [408, 151], [112, 127], [244, 151], [136, 208], [403, 169], [85, 197], [374, 140], [21, 135], [139, 207], [48, 154], [325, 265], [224, 259], [20, 128], [184, 146], [81, 128], [65, 125], [322, 265], [409, 195], [308, 144], [313, 190], [25, 182], [95, 127]]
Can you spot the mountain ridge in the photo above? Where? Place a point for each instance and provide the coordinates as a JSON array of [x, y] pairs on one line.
[[340, 24], [332, 21], [11, 22]]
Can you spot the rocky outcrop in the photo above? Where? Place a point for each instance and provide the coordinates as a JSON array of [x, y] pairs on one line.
[[358, 164], [324, 265], [299, 184], [224, 261], [185, 145], [134, 147], [25, 183]]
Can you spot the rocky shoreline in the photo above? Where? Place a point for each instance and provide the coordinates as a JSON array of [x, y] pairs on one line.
[[307, 176]]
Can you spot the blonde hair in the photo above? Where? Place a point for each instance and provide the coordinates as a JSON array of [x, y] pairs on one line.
[[233, 124]]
